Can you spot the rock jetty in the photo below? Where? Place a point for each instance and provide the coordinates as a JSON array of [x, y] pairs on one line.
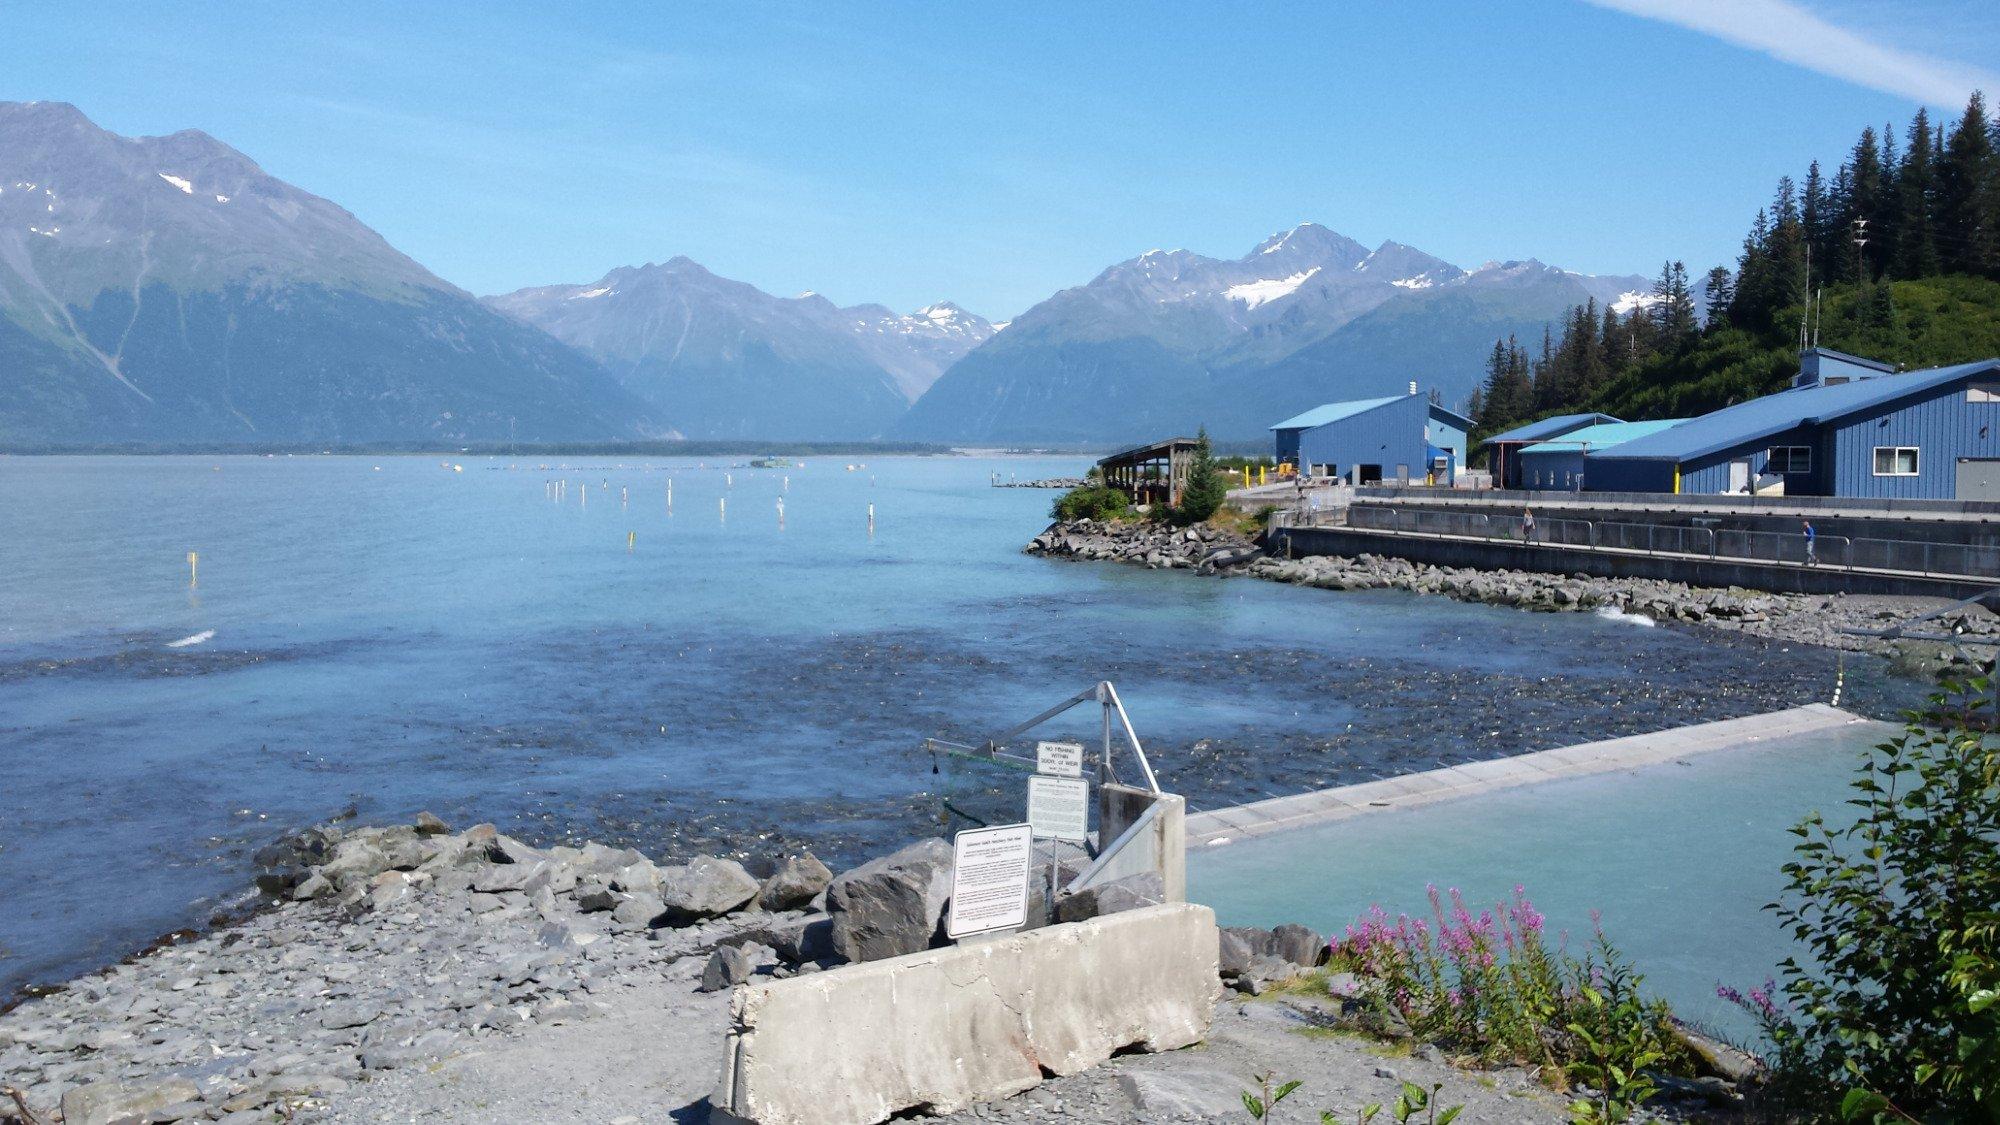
[[1801, 618]]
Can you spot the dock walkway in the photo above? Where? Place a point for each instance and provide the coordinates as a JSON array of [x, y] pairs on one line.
[[1282, 813]]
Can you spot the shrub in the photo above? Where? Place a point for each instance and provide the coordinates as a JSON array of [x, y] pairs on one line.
[[1091, 502], [1490, 987], [1894, 1010]]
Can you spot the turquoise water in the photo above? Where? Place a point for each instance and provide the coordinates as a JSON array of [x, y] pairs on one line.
[[1680, 859], [394, 635]]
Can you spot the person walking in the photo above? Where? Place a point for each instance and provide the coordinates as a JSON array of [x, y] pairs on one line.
[[1527, 525], [1812, 544]]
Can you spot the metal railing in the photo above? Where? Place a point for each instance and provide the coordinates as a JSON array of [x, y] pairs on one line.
[[1842, 552]]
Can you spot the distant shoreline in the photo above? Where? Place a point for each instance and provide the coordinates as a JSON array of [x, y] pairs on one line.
[[478, 449]]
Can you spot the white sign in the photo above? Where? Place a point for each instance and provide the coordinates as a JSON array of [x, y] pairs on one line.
[[989, 880], [1059, 808], [1059, 759]]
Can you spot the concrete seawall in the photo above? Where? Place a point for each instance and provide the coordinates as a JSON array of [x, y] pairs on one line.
[[1599, 562]]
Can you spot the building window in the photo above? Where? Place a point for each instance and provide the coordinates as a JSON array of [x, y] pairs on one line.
[[1983, 392], [1895, 461], [1790, 459]]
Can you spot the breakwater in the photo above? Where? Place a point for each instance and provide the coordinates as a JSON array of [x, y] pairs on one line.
[[1816, 619]]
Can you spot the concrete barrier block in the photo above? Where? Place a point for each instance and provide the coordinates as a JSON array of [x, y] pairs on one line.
[[945, 1028]]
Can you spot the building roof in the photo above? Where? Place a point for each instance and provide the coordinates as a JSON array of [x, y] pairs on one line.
[[1604, 435], [1149, 452], [1550, 427], [1334, 412], [1775, 413]]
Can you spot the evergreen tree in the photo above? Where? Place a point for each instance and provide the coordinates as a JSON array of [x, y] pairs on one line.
[[1864, 202], [1916, 191], [1673, 314], [1720, 288], [1816, 211], [1969, 195], [1205, 489]]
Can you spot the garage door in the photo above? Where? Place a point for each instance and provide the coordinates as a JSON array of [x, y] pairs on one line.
[[1978, 478]]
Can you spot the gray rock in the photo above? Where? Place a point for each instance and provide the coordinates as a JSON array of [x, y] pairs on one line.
[[1200, 1094], [706, 887], [1299, 945], [796, 882], [727, 967], [494, 878], [1233, 955], [101, 1103], [639, 912], [1129, 893], [429, 824], [354, 1013], [891, 906], [640, 877]]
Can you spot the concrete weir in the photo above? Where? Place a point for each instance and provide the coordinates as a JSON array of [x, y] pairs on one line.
[[1259, 818], [943, 1029]]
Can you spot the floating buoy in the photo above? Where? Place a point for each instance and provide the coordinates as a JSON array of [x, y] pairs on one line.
[[631, 540], [194, 562]]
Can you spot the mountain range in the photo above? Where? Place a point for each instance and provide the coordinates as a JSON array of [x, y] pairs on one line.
[[727, 360], [167, 289]]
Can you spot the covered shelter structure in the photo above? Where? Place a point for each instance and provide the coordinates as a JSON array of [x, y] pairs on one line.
[[1151, 474]]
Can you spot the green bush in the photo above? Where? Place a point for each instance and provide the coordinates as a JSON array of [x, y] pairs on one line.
[[1091, 502], [1893, 1012]]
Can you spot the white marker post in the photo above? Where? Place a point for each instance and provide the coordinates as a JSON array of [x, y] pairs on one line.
[[989, 880]]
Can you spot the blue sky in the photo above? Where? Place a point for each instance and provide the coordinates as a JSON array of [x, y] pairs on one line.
[[991, 154]]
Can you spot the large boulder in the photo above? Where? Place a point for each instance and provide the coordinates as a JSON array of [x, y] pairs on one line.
[[796, 882], [101, 1103], [706, 887], [1129, 893], [892, 905], [1298, 944]]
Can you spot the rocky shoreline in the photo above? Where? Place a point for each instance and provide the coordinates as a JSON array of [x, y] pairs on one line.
[[1813, 619]]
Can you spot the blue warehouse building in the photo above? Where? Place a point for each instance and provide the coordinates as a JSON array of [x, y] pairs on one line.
[[1558, 463], [1503, 450], [1400, 438], [1847, 427]]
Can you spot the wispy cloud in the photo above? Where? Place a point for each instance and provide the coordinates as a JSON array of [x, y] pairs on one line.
[[1791, 32]]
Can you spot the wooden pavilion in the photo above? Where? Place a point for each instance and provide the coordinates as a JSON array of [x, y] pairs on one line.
[[1151, 474]]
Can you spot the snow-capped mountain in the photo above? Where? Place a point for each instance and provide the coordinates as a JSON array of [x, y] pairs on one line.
[[724, 359], [168, 289], [1171, 339]]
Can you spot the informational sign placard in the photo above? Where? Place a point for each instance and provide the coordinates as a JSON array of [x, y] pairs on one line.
[[1059, 808], [989, 880], [1059, 759]]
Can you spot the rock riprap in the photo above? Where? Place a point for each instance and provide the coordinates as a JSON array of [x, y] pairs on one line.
[[389, 948], [1804, 618]]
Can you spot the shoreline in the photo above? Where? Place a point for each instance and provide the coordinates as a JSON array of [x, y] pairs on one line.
[[1812, 619]]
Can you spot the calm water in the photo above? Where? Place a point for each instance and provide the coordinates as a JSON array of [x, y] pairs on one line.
[[394, 635], [1691, 922]]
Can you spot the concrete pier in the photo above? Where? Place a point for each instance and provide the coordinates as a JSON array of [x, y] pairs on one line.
[[1208, 829]]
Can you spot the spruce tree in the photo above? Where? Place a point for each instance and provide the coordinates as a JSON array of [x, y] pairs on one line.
[[1205, 489], [1860, 218], [1720, 289], [1969, 195], [1916, 192]]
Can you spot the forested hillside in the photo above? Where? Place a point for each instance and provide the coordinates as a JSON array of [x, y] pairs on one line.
[[1896, 256]]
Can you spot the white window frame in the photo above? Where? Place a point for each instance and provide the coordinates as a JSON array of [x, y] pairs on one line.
[[1895, 453], [1771, 464], [1987, 391]]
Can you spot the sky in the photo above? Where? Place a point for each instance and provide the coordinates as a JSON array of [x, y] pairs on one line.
[[991, 154]]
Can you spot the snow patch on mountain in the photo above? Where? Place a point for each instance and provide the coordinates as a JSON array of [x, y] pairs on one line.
[[1265, 290], [588, 294], [186, 187], [1626, 302], [1413, 283]]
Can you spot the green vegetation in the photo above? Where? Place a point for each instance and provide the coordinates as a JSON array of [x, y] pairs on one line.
[[1410, 1101], [1897, 255], [1486, 987], [1893, 1013], [1205, 489], [1091, 502]]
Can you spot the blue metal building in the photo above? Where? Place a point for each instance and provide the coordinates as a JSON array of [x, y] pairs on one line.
[[1404, 437], [1848, 427], [1559, 463], [1503, 449]]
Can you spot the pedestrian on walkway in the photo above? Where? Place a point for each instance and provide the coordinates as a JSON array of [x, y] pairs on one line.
[[1527, 525], [1812, 544]]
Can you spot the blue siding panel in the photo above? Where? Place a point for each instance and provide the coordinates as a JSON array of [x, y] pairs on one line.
[[1397, 433]]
